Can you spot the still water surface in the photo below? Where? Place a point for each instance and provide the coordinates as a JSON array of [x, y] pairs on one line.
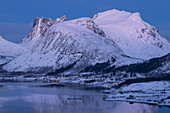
[[21, 98]]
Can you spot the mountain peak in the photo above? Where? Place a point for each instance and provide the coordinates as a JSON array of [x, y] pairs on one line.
[[117, 16], [39, 21], [62, 19], [36, 21], [136, 16], [40, 25]]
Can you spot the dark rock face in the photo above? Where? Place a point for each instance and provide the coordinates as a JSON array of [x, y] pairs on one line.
[[36, 21], [89, 24], [153, 32], [40, 25]]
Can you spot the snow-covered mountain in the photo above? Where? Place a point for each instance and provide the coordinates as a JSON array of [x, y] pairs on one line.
[[133, 36], [112, 38], [72, 45], [9, 51]]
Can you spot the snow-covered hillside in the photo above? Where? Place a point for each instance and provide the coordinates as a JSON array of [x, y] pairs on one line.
[[9, 51], [113, 37], [133, 36]]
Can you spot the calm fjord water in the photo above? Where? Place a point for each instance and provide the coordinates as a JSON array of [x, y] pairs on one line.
[[21, 98]]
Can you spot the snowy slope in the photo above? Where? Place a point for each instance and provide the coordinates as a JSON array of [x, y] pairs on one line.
[[9, 50], [133, 36], [76, 43], [157, 85]]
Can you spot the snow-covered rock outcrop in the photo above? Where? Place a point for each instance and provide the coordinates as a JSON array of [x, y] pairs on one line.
[[156, 92]]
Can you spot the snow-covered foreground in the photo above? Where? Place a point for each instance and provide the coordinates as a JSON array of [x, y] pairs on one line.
[[157, 92]]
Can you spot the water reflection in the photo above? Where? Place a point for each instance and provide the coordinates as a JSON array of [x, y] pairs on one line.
[[83, 104], [135, 108], [54, 100]]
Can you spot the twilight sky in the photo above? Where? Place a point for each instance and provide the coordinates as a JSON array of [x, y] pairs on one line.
[[16, 16]]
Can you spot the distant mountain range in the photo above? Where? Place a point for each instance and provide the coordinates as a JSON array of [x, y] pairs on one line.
[[109, 41], [9, 51]]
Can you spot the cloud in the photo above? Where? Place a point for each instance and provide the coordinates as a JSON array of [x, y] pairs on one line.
[[14, 32]]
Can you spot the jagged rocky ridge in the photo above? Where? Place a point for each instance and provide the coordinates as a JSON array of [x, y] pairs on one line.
[[40, 25], [110, 39]]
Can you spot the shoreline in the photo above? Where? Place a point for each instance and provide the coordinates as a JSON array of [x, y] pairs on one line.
[[131, 102], [109, 92]]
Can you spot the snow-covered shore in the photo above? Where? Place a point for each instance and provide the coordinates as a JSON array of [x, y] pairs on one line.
[[89, 81], [157, 92]]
